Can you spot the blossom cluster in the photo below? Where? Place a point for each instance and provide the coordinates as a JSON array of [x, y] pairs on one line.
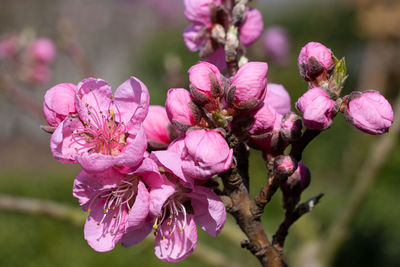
[[29, 59], [127, 191]]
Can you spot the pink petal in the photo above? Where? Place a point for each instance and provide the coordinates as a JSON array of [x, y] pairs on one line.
[[132, 99], [192, 42], [62, 143], [252, 27], [199, 76], [156, 125], [92, 95], [178, 245], [218, 58], [136, 235], [140, 208], [209, 210], [278, 98]]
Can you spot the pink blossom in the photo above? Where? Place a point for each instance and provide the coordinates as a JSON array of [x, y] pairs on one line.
[[192, 38], [291, 126], [276, 44], [178, 106], [278, 98], [251, 28], [285, 165], [264, 120], [9, 46], [199, 77], [250, 85], [317, 109], [205, 154], [106, 130], [299, 180], [42, 49], [59, 102], [156, 125], [314, 58], [369, 111]]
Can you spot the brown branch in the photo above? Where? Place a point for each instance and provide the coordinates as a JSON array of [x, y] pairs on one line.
[[299, 146], [291, 216]]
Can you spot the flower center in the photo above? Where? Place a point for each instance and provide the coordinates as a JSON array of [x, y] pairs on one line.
[[102, 132], [172, 210], [117, 201]]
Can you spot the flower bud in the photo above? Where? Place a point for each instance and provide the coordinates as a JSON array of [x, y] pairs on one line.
[[285, 165], [42, 49], [277, 45], [205, 154], [314, 59], [248, 87], [218, 33], [278, 98], [317, 109], [369, 111], [205, 79], [295, 184], [264, 120], [59, 102], [181, 110], [156, 126], [291, 127], [251, 28]]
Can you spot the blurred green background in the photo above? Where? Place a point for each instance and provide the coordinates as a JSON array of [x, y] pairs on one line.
[[144, 39]]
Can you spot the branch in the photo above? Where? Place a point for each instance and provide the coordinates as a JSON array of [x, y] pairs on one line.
[[77, 218], [291, 216], [299, 146]]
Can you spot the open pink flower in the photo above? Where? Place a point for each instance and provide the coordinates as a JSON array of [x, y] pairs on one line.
[[117, 203], [106, 130], [176, 212], [59, 102], [205, 154]]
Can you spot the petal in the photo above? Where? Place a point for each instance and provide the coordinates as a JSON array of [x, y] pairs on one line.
[[92, 95], [252, 27], [156, 125], [136, 235], [278, 98], [140, 208], [158, 196], [62, 144], [218, 58], [132, 99], [178, 245], [190, 36], [209, 210], [105, 235]]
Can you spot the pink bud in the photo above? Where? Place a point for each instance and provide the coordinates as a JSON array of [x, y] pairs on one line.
[[277, 44], [291, 127], [156, 125], [251, 28], [42, 49], [317, 109], [278, 98], [205, 154], [369, 111], [264, 120], [178, 107], [200, 77], [299, 180], [314, 59], [248, 87], [59, 102], [199, 10], [285, 165]]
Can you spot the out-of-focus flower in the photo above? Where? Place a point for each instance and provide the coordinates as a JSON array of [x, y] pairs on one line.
[[277, 44], [42, 49], [107, 129], [369, 111], [9, 46], [317, 109], [251, 28]]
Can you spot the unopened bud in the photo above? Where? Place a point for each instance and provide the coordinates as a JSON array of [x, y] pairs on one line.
[[291, 127], [285, 165], [239, 13], [232, 43], [180, 109], [295, 184], [315, 60]]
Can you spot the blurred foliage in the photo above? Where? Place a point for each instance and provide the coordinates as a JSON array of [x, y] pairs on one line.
[[334, 159]]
